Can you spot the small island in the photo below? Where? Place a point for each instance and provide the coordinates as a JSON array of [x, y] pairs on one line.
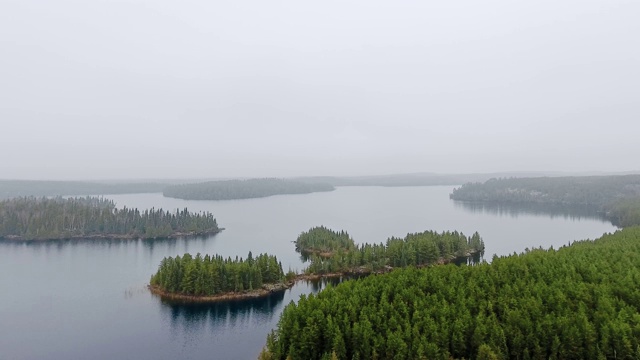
[[243, 189], [214, 278], [30, 218]]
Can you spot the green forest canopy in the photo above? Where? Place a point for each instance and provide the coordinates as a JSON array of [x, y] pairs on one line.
[[579, 302], [30, 218], [211, 275], [243, 189]]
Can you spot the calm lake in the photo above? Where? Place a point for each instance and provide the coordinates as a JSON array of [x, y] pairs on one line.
[[87, 300]]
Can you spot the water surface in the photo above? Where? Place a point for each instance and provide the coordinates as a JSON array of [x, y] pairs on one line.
[[87, 299]]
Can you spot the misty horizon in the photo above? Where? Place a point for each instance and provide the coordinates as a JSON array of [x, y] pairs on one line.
[[199, 90]]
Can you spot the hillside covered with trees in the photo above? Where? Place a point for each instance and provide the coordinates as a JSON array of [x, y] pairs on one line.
[[213, 275], [618, 197], [419, 249], [243, 189], [579, 302], [38, 188], [30, 218]]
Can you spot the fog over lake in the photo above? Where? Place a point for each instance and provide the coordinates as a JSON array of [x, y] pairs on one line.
[[199, 89]]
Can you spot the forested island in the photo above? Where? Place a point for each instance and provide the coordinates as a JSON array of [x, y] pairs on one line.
[[616, 197], [334, 252], [30, 218], [243, 189], [579, 302], [214, 278]]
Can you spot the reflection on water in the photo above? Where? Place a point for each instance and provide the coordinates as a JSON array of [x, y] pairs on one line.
[[567, 212], [148, 245], [222, 315]]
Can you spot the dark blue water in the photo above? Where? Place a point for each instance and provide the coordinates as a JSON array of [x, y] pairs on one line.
[[87, 299]]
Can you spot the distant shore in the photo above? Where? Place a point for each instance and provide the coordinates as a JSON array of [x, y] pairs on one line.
[[175, 235]]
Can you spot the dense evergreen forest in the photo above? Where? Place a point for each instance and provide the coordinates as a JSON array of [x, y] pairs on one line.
[[323, 242], [30, 218], [205, 276], [417, 249], [618, 197], [243, 189], [18, 188], [579, 302]]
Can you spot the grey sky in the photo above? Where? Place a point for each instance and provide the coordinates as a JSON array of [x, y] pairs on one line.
[[157, 88]]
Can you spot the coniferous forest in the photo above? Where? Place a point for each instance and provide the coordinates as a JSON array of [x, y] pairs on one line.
[[579, 302], [30, 218], [211, 275], [243, 189]]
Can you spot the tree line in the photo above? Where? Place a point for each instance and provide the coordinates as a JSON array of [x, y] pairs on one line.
[[211, 275], [30, 218], [579, 302], [38, 188], [418, 249], [617, 197], [243, 189]]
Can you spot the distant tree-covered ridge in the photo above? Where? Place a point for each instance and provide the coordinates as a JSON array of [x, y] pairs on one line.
[[18, 188], [419, 249], [30, 218], [323, 242], [579, 302], [616, 196], [215, 275], [625, 212], [243, 189]]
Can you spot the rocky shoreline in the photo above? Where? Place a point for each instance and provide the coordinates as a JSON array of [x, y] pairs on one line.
[[266, 290]]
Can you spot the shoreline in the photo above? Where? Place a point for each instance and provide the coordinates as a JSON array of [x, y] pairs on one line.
[[18, 238], [228, 296]]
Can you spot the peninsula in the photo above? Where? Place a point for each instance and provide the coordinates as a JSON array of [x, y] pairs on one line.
[[617, 198]]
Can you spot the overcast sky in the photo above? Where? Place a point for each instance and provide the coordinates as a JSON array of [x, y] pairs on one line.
[[97, 89]]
